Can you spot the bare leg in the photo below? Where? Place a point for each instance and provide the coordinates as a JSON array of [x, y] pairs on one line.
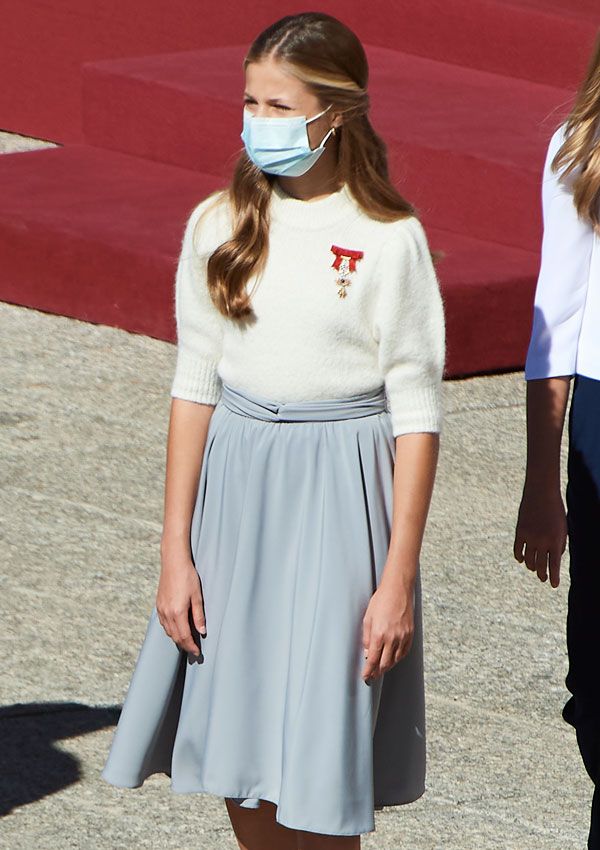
[[315, 841], [257, 829]]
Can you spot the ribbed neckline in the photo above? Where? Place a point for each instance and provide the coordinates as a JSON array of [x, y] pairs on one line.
[[311, 215]]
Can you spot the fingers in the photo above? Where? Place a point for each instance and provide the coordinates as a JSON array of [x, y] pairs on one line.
[[182, 633], [198, 614], [544, 561], [383, 654], [541, 565], [530, 557], [371, 668], [404, 647], [386, 661], [366, 639], [536, 561], [187, 642], [177, 626], [366, 636], [518, 546], [554, 567]]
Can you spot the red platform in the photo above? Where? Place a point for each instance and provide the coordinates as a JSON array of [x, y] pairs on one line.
[[101, 241]]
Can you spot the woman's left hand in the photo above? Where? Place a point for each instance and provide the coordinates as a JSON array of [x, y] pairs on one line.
[[388, 628]]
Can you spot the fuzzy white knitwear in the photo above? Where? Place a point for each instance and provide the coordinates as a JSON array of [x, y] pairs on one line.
[[305, 342]]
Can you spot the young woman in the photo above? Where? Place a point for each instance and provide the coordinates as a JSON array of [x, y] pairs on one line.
[[565, 342], [282, 667]]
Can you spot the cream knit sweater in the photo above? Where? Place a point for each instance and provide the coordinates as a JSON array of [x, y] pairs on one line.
[[307, 342]]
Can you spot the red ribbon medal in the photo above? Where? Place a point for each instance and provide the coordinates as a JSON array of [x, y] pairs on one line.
[[345, 265]]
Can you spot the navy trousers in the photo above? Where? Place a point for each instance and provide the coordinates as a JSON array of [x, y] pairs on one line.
[[582, 710]]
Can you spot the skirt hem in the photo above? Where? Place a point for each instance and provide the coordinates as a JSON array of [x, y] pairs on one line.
[[379, 805], [270, 798]]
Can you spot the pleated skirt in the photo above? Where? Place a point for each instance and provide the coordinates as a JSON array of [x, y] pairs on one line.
[[289, 537]]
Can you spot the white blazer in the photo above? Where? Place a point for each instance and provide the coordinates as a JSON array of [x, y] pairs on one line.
[[565, 337]]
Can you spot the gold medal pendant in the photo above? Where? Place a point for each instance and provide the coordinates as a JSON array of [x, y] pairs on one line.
[[345, 265]]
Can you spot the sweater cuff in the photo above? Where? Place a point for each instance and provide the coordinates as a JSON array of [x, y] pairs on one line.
[[196, 379], [416, 410]]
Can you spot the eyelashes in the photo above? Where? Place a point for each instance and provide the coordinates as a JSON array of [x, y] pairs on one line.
[[276, 105]]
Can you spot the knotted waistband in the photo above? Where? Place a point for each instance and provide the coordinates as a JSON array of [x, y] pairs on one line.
[[318, 410]]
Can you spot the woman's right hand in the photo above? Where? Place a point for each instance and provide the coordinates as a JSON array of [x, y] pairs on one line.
[[178, 595], [541, 534]]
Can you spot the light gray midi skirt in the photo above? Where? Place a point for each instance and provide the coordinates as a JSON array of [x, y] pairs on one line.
[[289, 536]]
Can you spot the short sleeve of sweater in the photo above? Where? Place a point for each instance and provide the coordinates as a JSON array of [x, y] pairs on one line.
[[409, 326], [199, 322]]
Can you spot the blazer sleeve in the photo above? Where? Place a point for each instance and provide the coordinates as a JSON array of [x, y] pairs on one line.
[[562, 283], [200, 325], [409, 327]]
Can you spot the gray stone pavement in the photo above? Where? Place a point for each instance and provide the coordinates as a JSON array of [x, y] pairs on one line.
[[83, 422]]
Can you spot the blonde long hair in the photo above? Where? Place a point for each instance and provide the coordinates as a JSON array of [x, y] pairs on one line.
[[579, 154], [329, 58]]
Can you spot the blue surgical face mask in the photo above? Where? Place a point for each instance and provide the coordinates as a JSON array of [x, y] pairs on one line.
[[281, 145]]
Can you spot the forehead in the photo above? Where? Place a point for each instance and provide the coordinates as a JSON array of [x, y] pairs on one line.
[[269, 78]]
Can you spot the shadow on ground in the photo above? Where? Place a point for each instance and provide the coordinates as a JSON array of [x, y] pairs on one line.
[[33, 766]]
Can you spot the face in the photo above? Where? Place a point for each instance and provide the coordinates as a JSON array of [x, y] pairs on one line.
[[271, 92]]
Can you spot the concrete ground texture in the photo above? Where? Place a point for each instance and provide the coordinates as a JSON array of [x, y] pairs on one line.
[[83, 423]]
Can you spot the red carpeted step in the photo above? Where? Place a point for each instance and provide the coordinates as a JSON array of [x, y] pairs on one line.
[[586, 9], [183, 108], [467, 145], [488, 293], [95, 235], [43, 45]]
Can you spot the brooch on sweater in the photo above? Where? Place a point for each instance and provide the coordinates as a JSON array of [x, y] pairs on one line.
[[345, 265]]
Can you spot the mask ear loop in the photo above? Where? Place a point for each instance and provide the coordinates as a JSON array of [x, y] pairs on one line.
[[314, 118], [331, 131]]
